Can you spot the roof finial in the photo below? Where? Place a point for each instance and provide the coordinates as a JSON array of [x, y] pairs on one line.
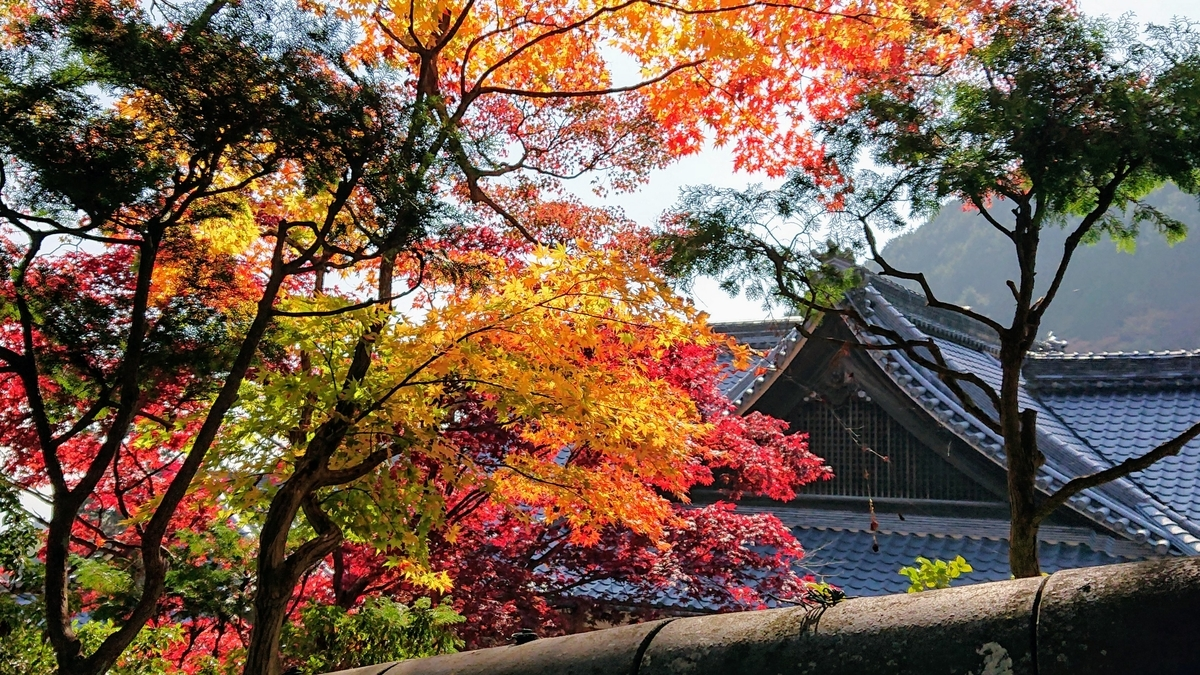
[[1051, 344]]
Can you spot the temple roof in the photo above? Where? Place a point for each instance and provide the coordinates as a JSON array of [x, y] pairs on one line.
[[1094, 410], [841, 550], [848, 559], [1064, 388], [1122, 404], [1122, 423], [774, 342]]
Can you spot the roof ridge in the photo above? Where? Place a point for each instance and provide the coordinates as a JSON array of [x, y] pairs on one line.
[[934, 321], [1113, 506], [758, 322], [1136, 354], [1173, 369]]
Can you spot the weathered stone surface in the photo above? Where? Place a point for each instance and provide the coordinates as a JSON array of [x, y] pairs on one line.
[[1135, 618], [1120, 619], [948, 632], [605, 652]]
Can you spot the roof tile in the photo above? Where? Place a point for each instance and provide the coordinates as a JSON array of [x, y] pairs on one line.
[[846, 558]]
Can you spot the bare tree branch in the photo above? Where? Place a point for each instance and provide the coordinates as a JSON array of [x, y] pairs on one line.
[[1131, 465], [930, 298], [987, 215], [587, 93], [1104, 200]]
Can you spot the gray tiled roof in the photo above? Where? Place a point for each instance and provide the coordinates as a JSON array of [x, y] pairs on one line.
[[840, 550], [847, 559], [891, 522], [772, 341], [1123, 506], [1121, 423], [667, 597]]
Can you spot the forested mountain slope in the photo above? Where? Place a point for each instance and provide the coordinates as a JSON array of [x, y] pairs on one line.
[[1111, 300]]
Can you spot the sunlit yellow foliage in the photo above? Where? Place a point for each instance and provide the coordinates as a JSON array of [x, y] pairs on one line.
[[542, 345]]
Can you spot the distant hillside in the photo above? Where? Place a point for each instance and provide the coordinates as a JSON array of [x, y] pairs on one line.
[[1110, 301]]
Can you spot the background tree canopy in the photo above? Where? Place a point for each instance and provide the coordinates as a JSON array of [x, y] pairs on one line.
[[1148, 304]]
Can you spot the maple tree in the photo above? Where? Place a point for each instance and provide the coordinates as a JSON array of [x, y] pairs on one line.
[[539, 346], [529, 83], [227, 344], [1053, 120], [523, 91], [766, 461], [136, 353], [511, 570]]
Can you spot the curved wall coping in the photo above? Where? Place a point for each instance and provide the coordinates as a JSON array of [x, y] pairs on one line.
[[1121, 619]]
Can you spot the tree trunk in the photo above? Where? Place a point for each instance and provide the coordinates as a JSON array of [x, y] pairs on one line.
[[276, 576], [1024, 458], [67, 649], [1020, 426], [278, 572], [270, 611]]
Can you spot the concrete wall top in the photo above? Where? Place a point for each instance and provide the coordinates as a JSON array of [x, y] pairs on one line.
[[1121, 619]]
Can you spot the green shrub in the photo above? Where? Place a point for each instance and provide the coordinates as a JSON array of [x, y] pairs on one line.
[[329, 638], [929, 574]]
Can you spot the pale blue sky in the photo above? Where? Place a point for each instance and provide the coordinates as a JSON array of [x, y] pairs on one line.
[[715, 165]]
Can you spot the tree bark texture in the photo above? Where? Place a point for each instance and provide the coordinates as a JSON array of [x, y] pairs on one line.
[[279, 572], [1024, 458]]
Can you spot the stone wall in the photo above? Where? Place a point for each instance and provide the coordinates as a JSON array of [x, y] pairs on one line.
[[1121, 619]]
